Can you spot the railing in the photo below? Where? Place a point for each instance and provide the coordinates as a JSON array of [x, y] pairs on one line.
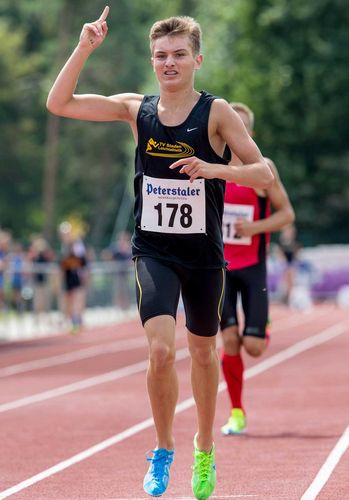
[[34, 306]]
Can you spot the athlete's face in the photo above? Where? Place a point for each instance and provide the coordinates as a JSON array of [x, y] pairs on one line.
[[173, 61]]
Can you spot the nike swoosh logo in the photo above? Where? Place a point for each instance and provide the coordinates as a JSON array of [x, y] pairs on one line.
[[191, 129]]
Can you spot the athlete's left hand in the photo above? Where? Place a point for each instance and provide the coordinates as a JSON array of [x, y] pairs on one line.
[[195, 168], [244, 227]]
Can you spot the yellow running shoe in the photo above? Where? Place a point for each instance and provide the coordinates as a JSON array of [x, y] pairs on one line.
[[236, 423], [203, 480]]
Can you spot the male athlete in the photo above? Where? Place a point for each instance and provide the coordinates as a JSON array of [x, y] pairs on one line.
[[247, 224], [177, 242]]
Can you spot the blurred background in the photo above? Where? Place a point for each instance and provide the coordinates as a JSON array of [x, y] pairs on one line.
[[66, 187]]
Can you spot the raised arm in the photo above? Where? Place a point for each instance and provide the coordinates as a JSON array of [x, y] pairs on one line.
[[63, 101]]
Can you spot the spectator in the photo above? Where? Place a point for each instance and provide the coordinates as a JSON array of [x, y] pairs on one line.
[[17, 264], [40, 254], [73, 264], [5, 239], [289, 248]]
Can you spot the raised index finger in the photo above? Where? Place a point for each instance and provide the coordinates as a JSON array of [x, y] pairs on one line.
[[104, 14]]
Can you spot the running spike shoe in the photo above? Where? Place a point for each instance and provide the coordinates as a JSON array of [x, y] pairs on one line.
[[236, 423], [156, 479], [204, 479]]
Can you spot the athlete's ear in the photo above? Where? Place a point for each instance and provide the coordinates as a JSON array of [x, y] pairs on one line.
[[152, 62], [198, 61]]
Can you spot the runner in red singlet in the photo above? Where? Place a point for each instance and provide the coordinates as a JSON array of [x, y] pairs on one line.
[[247, 224]]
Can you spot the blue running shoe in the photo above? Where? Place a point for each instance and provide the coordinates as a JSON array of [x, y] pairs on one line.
[[156, 479]]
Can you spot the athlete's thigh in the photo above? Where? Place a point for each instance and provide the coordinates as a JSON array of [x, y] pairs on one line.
[[202, 294], [254, 298], [229, 311], [157, 288]]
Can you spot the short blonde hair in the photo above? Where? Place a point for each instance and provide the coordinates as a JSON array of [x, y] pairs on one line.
[[239, 106], [177, 25]]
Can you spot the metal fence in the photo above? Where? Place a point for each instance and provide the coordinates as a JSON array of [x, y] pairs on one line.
[[108, 284], [33, 308]]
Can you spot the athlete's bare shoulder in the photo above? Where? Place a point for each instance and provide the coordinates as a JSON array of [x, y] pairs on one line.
[[127, 105], [220, 105], [223, 115]]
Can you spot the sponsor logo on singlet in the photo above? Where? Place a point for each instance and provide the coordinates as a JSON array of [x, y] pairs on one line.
[[167, 150]]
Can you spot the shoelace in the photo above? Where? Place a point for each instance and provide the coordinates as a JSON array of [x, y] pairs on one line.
[[159, 460], [202, 465]]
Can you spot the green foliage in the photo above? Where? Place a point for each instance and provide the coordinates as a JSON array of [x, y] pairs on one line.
[[20, 153], [287, 59]]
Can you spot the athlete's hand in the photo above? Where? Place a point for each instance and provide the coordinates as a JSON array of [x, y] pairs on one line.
[[195, 168], [244, 227], [93, 34]]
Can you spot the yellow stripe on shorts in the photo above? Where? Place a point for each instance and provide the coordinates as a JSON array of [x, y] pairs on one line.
[[139, 286], [222, 295]]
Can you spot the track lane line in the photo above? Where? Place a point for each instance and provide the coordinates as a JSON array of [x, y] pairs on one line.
[[90, 382], [328, 467], [142, 365], [71, 357], [119, 345], [301, 346], [84, 384], [318, 339]]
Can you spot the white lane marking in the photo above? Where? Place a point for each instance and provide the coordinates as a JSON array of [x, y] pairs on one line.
[[142, 365], [121, 345], [79, 457], [70, 357], [328, 467], [83, 384], [327, 334], [318, 339]]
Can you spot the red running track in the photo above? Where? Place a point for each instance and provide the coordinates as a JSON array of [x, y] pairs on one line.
[[75, 420]]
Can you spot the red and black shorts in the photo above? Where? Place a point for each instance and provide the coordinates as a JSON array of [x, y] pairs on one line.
[[251, 283]]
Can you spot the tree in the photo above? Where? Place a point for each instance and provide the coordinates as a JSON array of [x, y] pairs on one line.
[[288, 60]]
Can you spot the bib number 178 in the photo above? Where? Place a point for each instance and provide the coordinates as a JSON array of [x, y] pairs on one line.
[[169, 211]]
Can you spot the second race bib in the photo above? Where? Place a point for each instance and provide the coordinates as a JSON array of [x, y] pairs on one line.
[[231, 213]]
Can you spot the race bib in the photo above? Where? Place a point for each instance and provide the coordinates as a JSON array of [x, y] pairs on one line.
[[231, 213], [173, 206]]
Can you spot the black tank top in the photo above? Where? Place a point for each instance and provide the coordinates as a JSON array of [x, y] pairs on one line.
[[158, 147]]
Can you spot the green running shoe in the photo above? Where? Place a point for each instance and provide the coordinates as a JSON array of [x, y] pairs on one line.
[[236, 423], [156, 479], [204, 479]]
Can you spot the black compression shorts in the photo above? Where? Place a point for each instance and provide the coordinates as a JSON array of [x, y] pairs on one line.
[[159, 285], [251, 283]]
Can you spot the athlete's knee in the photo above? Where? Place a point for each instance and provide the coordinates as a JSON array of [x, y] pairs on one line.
[[203, 354], [231, 340], [254, 346], [161, 339], [161, 355]]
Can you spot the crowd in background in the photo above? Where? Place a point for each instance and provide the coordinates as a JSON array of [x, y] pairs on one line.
[[64, 282], [38, 278]]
